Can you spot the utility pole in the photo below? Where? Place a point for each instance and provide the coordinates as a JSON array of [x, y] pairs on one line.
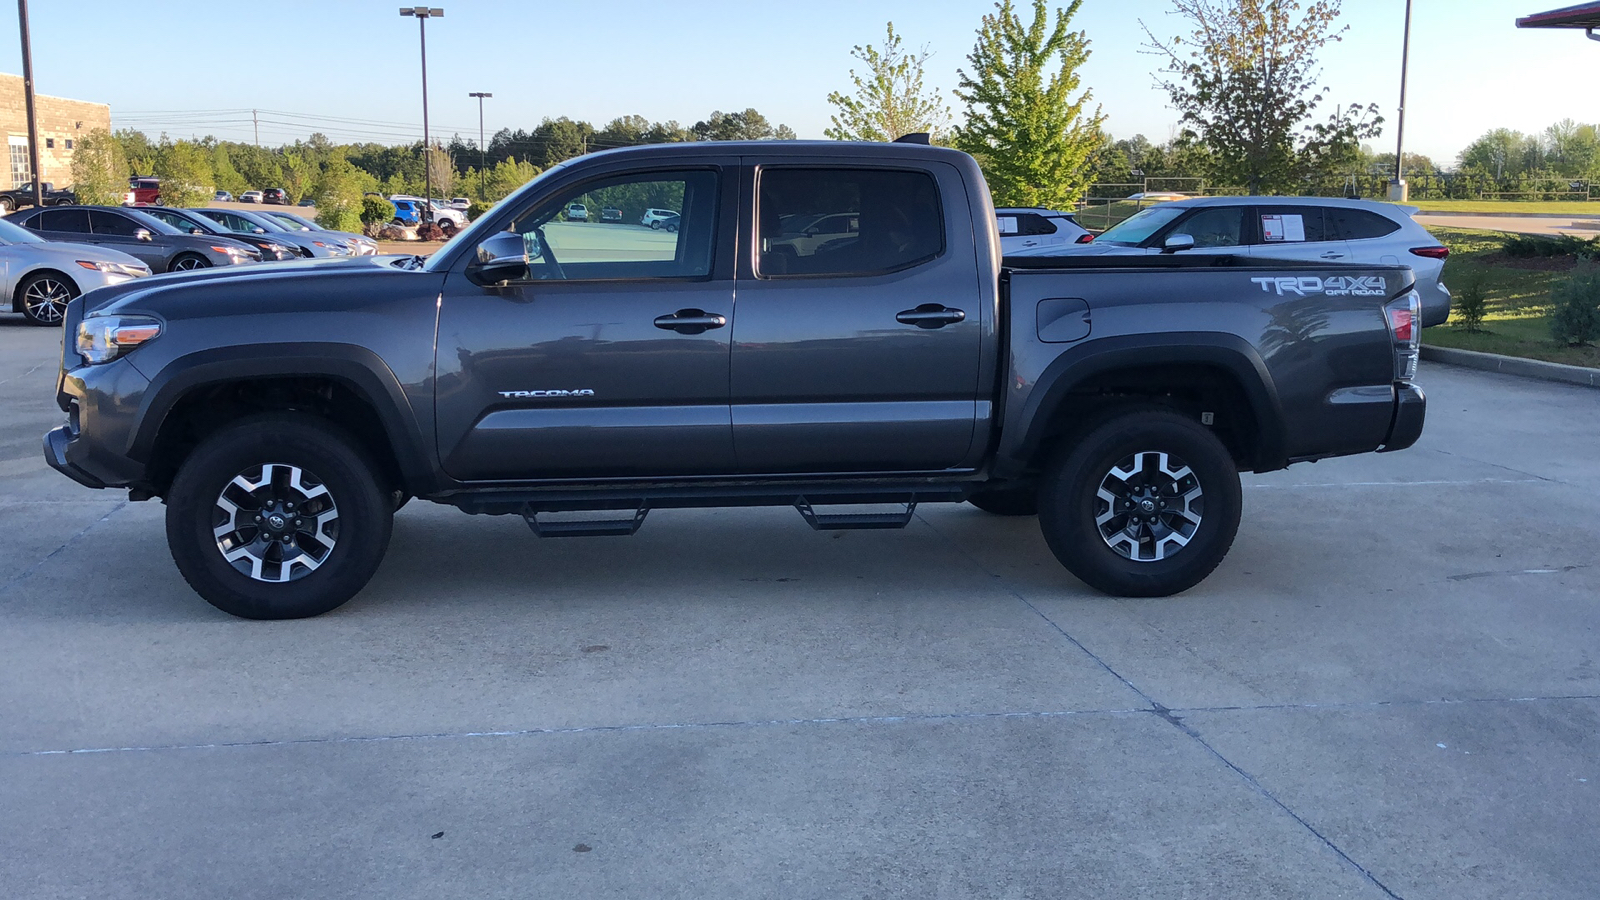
[[27, 93], [423, 14], [257, 123], [1397, 188], [483, 150]]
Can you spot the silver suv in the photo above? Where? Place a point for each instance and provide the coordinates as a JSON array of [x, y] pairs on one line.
[[1314, 228], [1025, 228]]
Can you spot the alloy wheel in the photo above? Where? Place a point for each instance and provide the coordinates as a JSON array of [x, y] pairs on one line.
[[275, 522], [1149, 506], [46, 300]]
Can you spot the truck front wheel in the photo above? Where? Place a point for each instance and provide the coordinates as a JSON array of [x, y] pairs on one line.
[[278, 516], [1144, 505]]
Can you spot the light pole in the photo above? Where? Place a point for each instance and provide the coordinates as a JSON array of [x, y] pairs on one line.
[[27, 91], [483, 152], [423, 14], [1397, 187]]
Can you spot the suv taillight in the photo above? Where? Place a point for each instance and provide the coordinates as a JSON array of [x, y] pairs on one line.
[[1405, 325], [1431, 252], [1086, 238]]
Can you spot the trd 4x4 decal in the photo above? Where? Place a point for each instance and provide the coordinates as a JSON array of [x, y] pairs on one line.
[[1337, 286]]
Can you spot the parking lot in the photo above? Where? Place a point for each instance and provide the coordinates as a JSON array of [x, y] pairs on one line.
[[1391, 688]]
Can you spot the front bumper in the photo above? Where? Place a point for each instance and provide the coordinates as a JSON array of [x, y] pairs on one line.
[[56, 441], [102, 405], [1410, 411]]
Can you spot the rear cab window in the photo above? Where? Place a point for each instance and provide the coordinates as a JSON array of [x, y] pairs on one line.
[[873, 221]]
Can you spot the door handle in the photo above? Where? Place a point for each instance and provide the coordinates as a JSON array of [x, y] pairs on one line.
[[1333, 254], [691, 321], [930, 315]]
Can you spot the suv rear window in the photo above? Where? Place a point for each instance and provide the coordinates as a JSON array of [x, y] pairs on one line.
[[897, 216], [1358, 224]]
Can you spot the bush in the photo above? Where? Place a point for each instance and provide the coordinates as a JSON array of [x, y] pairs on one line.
[[1575, 321], [338, 215], [376, 211], [1471, 303], [1545, 246], [477, 209]]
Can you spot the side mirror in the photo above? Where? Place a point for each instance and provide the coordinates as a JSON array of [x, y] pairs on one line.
[[258, 230], [143, 234], [1177, 242], [503, 258], [195, 229]]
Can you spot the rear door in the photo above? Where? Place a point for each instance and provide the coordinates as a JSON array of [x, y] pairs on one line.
[[611, 358], [860, 353], [62, 225], [1298, 232]]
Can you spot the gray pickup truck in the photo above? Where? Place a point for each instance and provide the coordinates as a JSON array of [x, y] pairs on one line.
[[831, 327]]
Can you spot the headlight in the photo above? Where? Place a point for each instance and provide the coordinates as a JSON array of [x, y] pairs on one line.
[[280, 250], [104, 338], [130, 269]]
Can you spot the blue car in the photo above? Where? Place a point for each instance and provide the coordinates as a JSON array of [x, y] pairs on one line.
[[406, 212]]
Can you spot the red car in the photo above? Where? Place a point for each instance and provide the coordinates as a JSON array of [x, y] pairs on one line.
[[143, 192]]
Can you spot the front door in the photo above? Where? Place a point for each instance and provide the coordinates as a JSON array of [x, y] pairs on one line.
[[119, 232], [857, 345], [611, 358]]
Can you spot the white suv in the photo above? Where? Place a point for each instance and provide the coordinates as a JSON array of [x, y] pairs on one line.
[[1023, 228], [658, 219]]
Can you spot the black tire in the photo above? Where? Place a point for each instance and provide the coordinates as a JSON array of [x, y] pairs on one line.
[[1012, 501], [6, 206], [327, 458], [655, 225], [43, 298], [1069, 504], [187, 262]]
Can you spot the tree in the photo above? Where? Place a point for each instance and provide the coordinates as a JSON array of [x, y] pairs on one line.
[[508, 175], [749, 125], [1033, 139], [1245, 83], [185, 173], [99, 171], [338, 193], [889, 101], [441, 171], [298, 174], [1502, 153]]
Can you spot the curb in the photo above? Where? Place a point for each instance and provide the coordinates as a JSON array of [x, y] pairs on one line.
[[1513, 365], [1586, 217]]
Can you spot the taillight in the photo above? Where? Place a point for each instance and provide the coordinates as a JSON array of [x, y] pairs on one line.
[[1431, 252], [1405, 325], [1086, 238]]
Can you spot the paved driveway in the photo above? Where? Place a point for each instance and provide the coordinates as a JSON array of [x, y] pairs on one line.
[[1577, 226], [1390, 689]]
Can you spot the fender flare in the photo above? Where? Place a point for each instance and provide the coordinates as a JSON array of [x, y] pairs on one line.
[[1227, 352], [357, 367]]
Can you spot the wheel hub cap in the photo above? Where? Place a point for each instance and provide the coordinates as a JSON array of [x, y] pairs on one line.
[[1149, 506], [275, 522]]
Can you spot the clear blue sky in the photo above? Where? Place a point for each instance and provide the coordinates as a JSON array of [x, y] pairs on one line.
[[1471, 69]]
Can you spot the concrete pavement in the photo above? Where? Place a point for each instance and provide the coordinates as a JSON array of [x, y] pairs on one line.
[[1389, 689], [1578, 226]]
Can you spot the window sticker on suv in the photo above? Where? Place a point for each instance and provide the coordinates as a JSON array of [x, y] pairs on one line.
[[1278, 229]]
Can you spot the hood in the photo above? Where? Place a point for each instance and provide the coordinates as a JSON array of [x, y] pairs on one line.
[[196, 292], [1090, 249], [89, 252]]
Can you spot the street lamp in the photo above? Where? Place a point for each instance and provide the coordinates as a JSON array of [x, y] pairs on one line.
[[423, 14], [1397, 187], [27, 92], [483, 153]]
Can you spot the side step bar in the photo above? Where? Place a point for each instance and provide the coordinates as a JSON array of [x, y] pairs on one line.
[[855, 521], [586, 527]]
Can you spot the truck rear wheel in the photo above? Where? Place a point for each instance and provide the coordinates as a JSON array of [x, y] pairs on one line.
[[1144, 505], [278, 516]]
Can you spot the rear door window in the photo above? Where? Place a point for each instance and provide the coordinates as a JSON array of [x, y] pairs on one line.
[[1292, 225], [893, 221], [75, 221], [1358, 224]]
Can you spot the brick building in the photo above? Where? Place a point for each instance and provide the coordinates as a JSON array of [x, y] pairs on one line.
[[61, 123]]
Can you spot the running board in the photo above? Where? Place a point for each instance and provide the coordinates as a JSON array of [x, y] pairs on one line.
[[585, 527], [854, 521]]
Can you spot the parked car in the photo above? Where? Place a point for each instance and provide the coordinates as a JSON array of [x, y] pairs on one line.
[[1316, 228], [360, 243], [41, 277], [194, 222], [461, 203], [805, 235], [142, 192], [18, 197], [250, 197], [222, 197], [411, 210], [277, 196], [907, 365], [133, 231], [610, 214], [1023, 228], [659, 218], [307, 201], [577, 212], [248, 221]]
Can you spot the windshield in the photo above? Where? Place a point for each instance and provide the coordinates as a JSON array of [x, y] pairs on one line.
[[12, 233], [298, 223], [1137, 228]]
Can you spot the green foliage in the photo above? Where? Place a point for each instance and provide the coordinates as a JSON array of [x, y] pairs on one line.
[[508, 176], [298, 176], [1033, 139], [1245, 82], [99, 170], [1471, 304], [338, 195], [137, 149], [740, 126], [1575, 321], [228, 178], [185, 173], [890, 100], [1547, 246], [376, 211], [477, 209]]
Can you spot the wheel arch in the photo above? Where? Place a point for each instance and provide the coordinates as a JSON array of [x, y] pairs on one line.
[[347, 384], [1184, 370]]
